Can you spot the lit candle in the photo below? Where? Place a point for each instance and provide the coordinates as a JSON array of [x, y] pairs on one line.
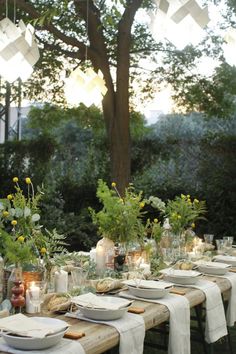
[[29, 307]]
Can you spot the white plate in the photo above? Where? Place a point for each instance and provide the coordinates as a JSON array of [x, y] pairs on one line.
[[107, 314], [214, 268], [178, 276], [231, 260], [148, 293], [28, 343]]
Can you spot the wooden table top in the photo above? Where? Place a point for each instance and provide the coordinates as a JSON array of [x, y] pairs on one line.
[[99, 338]]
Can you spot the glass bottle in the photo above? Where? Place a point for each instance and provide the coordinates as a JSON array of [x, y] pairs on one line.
[[104, 255]]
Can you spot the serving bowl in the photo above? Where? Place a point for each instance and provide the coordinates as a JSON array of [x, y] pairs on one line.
[[29, 343], [178, 276], [104, 314]]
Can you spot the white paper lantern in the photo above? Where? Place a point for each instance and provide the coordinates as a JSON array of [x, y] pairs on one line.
[[18, 50], [86, 87], [229, 47], [179, 21]]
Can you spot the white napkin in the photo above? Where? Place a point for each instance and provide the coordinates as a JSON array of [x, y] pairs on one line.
[[231, 309], [148, 284], [98, 302], [131, 328], [215, 316], [26, 326], [178, 306], [64, 346]]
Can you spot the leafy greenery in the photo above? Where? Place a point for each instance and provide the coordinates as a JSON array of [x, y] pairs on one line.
[[184, 212], [121, 219]]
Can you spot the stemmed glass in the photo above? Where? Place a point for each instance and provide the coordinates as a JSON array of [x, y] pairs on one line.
[[36, 290], [168, 256]]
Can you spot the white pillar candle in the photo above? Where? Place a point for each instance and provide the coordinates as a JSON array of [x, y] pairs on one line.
[[29, 307], [92, 255], [61, 281]]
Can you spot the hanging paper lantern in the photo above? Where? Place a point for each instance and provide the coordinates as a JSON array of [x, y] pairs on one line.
[[180, 22], [229, 47], [18, 50], [85, 87]]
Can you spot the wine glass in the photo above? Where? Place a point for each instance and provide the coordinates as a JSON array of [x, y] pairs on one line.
[[36, 290]]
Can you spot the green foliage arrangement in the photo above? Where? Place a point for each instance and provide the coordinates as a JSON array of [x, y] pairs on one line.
[[184, 212], [24, 240], [121, 218]]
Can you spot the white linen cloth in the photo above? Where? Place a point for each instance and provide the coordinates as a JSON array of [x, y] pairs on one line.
[[64, 346], [231, 309], [131, 328], [216, 327], [99, 302], [26, 326], [179, 334]]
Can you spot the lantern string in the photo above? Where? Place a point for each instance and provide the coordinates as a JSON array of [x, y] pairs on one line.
[[6, 8], [14, 15], [87, 17]]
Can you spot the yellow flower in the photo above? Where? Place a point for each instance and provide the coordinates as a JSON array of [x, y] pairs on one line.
[[21, 239], [27, 180], [193, 225], [155, 221], [142, 204], [196, 201], [178, 216], [113, 184], [10, 197], [188, 196], [15, 179], [5, 213], [43, 250], [182, 196], [14, 222]]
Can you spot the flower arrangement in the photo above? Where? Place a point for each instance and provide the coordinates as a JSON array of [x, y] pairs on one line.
[[121, 218], [183, 212], [24, 241]]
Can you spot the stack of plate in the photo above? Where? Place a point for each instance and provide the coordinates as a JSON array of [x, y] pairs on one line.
[[179, 276], [231, 260], [30, 343], [213, 268], [113, 308], [148, 289]]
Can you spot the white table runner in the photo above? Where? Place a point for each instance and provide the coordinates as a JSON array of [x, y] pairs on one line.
[[131, 328], [178, 306], [64, 346], [216, 327], [231, 309]]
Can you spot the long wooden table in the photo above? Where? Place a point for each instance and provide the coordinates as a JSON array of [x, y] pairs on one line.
[[99, 338]]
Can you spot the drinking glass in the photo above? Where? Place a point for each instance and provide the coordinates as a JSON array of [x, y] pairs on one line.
[[220, 244], [208, 238], [168, 256], [228, 242], [79, 278], [36, 290]]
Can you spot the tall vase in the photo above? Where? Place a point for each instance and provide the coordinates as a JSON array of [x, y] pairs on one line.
[[104, 255]]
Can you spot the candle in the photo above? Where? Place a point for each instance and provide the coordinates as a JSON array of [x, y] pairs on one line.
[[61, 281], [92, 255], [29, 307], [145, 268]]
